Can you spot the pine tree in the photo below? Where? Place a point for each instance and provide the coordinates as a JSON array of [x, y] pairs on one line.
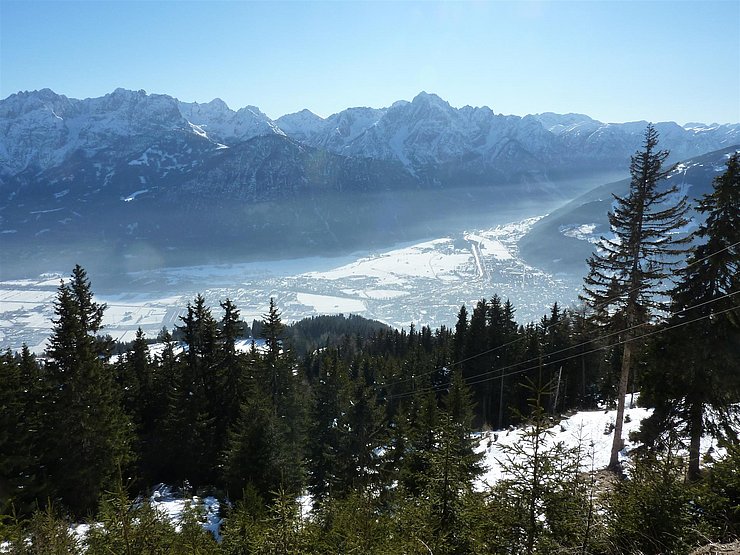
[[86, 434], [229, 373], [329, 400], [13, 432], [250, 454], [461, 330], [476, 361], [453, 462], [627, 274], [265, 446], [136, 381], [543, 491], [194, 398], [695, 381], [277, 374]]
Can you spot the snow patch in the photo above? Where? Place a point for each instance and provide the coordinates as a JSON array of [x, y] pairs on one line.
[[326, 304], [135, 194], [592, 430], [582, 232]]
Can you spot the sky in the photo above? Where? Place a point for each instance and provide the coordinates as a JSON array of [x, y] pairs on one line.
[[617, 61]]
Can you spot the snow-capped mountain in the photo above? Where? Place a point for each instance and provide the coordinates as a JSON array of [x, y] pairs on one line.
[[151, 177], [217, 121], [429, 132], [42, 129]]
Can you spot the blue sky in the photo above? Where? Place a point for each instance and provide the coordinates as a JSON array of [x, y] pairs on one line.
[[615, 61]]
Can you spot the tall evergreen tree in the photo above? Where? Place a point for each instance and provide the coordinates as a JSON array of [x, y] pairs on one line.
[[628, 272], [461, 330], [230, 372], [13, 432], [87, 436], [453, 465], [265, 446], [476, 361], [193, 399], [695, 381]]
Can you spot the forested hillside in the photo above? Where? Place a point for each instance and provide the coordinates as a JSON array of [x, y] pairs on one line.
[[378, 426]]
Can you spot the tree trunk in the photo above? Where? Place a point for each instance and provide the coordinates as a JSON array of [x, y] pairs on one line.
[[501, 403], [624, 377], [695, 441]]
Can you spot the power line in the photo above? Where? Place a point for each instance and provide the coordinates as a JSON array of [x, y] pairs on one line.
[[498, 371], [547, 328], [522, 370]]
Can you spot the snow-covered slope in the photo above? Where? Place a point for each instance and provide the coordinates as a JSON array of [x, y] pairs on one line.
[[428, 130], [221, 123], [42, 129], [562, 241], [592, 431], [303, 126]]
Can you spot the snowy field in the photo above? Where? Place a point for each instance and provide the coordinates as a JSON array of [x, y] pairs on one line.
[[422, 283]]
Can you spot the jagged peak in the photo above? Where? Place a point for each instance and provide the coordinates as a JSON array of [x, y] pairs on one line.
[[127, 93], [44, 94], [304, 114], [400, 103], [569, 115], [256, 112], [430, 98], [219, 104]]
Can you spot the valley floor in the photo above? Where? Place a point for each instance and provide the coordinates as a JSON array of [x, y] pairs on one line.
[[422, 283]]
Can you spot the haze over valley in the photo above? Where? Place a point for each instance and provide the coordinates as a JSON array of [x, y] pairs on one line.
[[399, 214]]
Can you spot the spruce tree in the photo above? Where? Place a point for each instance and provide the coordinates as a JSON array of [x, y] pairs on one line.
[[453, 466], [270, 428], [13, 432], [194, 398], [329, 401], [628, 272], [694, 382], [229, 372], [461, 330], [86, 434]]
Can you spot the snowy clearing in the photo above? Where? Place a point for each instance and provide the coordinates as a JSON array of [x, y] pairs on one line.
[[331, 305]]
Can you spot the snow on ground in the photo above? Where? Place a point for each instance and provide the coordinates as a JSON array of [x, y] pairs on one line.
[[135, 194], [591, 429], [173, 506], [583, 232], [375, 294], [489, 246], [325, 304], [431, 259], [424, 283], [18, 299]]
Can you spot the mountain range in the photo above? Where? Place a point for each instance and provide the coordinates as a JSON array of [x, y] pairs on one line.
[[134, 180]]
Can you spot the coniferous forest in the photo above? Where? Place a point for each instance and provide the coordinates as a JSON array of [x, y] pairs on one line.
[[380, 427]]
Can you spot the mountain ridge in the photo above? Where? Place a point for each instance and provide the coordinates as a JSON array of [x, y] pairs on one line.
[[143, 179], [42, 128]]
